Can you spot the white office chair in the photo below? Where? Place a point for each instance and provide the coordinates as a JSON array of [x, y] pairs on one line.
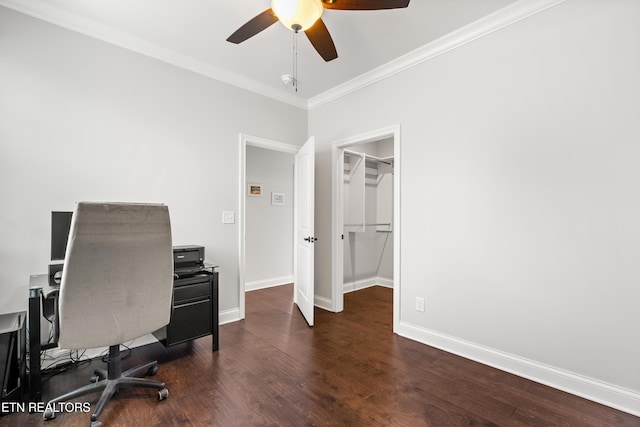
[[117, 285]]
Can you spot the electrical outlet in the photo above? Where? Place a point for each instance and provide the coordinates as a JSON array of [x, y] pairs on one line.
[[420, 304]]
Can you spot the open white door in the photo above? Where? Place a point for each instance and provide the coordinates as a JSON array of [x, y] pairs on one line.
[[304, 183]]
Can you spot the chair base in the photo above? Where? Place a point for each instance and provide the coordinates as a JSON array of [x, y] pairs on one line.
[[110, 381]]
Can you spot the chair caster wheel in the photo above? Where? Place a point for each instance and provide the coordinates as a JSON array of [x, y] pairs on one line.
[[96, 423], [48, 414], [152, 371], [163, 394], [94, 379]]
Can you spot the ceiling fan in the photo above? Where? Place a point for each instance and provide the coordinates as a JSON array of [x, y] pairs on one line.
[[305, 15]]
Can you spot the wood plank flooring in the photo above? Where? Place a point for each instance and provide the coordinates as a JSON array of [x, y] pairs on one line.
[[348, 370]]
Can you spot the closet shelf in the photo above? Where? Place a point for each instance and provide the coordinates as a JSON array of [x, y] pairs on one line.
[[385, 160], [379, 224], [367, 171]]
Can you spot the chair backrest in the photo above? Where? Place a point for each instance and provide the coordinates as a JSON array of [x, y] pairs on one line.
[[117, 280]]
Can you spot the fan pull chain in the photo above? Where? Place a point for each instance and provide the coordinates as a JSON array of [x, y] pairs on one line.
[[295, 60]]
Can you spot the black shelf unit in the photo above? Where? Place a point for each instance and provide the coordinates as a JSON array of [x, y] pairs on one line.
[[194, 313]]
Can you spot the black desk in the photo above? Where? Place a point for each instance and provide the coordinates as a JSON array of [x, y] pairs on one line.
[[12, 357], [43, 293], [41, 286]]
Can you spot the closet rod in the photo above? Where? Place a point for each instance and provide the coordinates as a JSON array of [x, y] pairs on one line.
[[369, 156], [368, 225]]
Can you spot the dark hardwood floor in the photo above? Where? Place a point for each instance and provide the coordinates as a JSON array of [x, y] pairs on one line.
[[348, 370]]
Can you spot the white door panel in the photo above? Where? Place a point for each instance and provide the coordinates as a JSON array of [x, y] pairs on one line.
[[304, 182]]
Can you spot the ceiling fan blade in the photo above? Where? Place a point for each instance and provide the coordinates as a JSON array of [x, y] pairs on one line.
[[320, 38], [364, 4], [261, 22]]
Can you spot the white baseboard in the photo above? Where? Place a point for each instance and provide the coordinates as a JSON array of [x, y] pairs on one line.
[[228, 316], [268, 283], [323, 303], [366, 283], [387, 283], [588, 388]]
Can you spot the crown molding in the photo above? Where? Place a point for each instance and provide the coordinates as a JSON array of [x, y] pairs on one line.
[[43, 11], [504, 17]]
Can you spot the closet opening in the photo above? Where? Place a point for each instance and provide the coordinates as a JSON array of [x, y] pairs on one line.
[[368, 216], [366, 208]]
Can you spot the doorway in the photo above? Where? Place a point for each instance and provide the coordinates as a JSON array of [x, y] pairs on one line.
[[268, 218], [260, 200], [366, 214], [291, 190]]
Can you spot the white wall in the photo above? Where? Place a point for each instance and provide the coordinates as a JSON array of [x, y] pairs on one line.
[[81, 119], [269, 228], [520, 196]]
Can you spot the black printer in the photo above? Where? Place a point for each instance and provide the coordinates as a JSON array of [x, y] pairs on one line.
[[188, 260]]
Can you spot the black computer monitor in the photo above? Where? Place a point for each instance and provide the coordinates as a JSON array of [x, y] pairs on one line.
[[60, 225]]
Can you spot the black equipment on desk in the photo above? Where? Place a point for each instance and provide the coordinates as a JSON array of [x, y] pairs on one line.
[[195, 299], [188, 260], [60, 226]]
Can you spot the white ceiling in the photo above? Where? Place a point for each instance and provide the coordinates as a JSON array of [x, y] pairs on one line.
[[192, 34]]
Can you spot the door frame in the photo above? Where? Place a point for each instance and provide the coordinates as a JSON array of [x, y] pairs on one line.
[[337, 220], [250, 141]]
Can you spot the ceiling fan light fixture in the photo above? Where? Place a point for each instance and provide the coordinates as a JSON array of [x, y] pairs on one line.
[[297, 15]]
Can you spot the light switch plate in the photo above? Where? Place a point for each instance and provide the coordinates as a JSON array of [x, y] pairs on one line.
[[228, 217]]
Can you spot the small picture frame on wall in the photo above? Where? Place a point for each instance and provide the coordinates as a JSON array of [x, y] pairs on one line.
[[254, 190], [277, 199]]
